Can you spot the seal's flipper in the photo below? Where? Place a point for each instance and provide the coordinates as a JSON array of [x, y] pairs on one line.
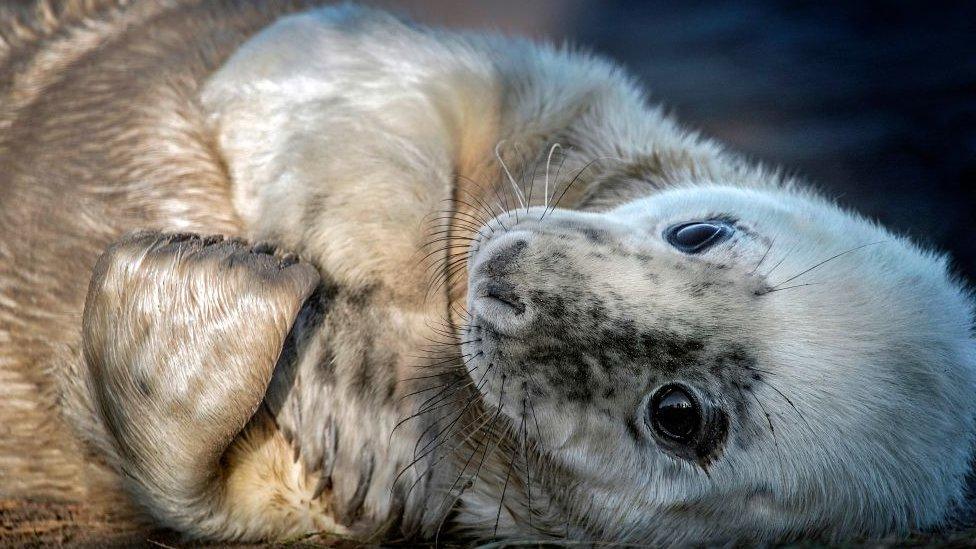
[[181, 334]]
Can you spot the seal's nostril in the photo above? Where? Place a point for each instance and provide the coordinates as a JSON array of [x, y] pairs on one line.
[[505, 293]]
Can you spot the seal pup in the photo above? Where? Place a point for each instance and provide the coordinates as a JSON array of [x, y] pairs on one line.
[[671, 345]]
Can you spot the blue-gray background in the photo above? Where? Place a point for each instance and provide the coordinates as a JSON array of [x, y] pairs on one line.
[[873, 102]]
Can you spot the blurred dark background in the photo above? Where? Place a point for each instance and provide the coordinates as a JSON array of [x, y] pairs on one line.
[[872, 102]]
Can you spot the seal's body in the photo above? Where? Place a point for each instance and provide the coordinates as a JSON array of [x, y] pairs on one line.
[[538, 308], [100, 133]]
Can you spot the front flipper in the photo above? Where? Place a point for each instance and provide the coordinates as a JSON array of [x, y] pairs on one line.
[[181, 334]]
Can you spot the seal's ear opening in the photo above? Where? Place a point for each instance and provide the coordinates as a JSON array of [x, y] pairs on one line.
[[181, 334]]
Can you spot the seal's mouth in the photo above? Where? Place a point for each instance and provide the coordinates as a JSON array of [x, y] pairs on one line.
[[496, 298]]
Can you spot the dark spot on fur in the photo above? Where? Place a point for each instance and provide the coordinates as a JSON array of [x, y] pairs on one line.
[[552, 305], [634, 431], [263, 248], [354, 507], [700, 288], [733, 357], [310, 317], [711, 442], [593, 235], [323, 485], [360, 297], [145, 388], [538, 298]]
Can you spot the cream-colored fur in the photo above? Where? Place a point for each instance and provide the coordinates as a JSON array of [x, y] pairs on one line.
[[351, 139]]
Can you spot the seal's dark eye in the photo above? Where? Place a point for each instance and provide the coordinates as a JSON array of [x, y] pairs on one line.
[[698, 236], [673, 414]]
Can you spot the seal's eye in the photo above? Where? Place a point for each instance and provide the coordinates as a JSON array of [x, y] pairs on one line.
[[698, 236], [673, 414]]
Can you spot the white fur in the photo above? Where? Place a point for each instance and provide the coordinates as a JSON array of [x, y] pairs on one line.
[[369, 120]]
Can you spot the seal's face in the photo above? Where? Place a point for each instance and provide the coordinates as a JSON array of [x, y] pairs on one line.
[[712, 363]]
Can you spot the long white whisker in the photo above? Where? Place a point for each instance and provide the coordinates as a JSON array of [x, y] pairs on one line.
[[548, 162], [828, 260], [508, 174]]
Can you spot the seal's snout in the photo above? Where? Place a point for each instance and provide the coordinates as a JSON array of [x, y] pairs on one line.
[[496, 294], [501, 256]]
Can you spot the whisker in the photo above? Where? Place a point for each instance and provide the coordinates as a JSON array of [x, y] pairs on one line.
[[440, 405], [467, 462], [447, 239], [548, 162], [442, 359], [441, 458], [444, 249], [829, 259], [508, 174], [471, 211], [501, 501], [458, 418], [535, 419], [787, 399], [440, 280], [572, 182], [766, 413], [454, 447], [498, 205], [559, 170], [780, 262], [463, 224], [444, 328], [790, 287], [445, 389], [535, 172], [528, 468], [474, 207], [763, 258], [470, 216], [482, 207], [443, 373]]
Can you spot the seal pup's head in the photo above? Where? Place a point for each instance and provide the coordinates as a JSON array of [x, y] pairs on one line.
[[714, 363]]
